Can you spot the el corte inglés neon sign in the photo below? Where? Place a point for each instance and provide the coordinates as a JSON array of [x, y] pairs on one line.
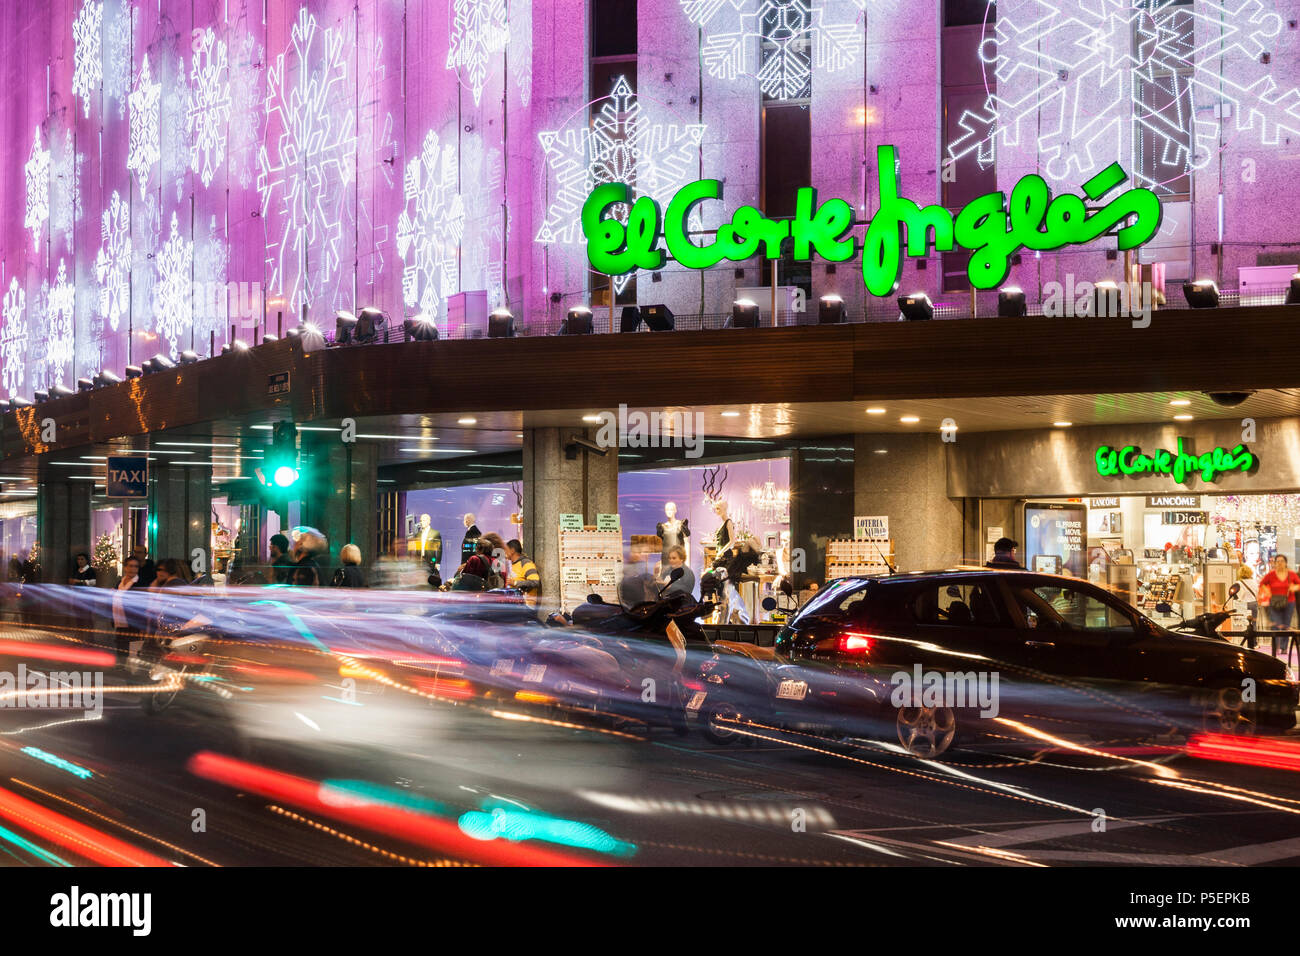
[[1180, 465], [991, 227]]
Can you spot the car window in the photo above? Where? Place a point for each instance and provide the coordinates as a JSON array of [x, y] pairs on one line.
[[970, 604], [837, 599], [1069, 608]]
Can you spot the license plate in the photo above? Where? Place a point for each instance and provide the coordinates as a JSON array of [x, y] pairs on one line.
[[535, 673], [502, 665], [696, 701], [792, 690]]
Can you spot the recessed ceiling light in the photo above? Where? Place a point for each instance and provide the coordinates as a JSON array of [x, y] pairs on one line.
[[519, 435], [1183, 418], [882, 451], [909, 419], [1181, 401], [1062, 424], [400, 437], [875, 410], [731, 414], [948, 428], [585, 418], [467, 421]]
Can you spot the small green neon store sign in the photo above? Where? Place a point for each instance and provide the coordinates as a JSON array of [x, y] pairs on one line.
[[991, 227], [1181, 465]]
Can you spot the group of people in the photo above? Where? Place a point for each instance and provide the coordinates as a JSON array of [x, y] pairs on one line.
[[494, 563], [296, 564]]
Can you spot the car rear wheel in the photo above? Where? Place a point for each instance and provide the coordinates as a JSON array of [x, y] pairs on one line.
[[926, 732], [720, 721], [1226, 713]]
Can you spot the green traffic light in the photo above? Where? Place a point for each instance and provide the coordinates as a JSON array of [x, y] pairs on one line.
[[285, 476]]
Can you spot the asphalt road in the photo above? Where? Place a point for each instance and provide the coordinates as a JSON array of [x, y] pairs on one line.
[[651, 797]]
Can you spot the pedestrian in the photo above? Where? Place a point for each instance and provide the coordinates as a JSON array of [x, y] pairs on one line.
[[305, 569], [84, 572], [349, 575], [684, 584], [523, 572], [124, 629], [1004, 555], [147, 567], [281, 561], [1277, 591], [493, 548]]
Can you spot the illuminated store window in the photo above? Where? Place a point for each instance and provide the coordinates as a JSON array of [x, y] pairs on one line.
[[613, 58], [968, 168], [1163, 107]]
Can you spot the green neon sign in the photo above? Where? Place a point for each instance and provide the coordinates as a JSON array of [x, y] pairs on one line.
[[1181, 465], [992, 228]]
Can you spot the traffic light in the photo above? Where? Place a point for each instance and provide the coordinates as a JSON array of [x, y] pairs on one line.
[[279, 469]]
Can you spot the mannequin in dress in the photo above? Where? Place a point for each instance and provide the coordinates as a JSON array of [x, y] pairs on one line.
[[673, 533], [726, 556]]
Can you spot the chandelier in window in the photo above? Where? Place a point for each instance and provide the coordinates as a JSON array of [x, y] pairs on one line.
[[770, 503]]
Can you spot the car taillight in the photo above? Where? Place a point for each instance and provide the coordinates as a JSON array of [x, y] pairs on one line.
[[854, 642]]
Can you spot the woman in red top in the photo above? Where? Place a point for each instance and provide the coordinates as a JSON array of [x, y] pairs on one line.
[[1277, 591]]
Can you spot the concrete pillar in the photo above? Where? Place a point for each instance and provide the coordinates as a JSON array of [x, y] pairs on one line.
[[180, 512], [341, 496], [63, 525], [821, 501], [555, 484], [906, 478]]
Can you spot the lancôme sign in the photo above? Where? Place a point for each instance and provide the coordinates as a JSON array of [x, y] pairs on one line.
[[992, 227]]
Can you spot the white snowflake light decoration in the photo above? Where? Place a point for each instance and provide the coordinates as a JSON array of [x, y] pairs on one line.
[[208, 110], [776, 41], [303, 179], [145, 147], [245, 132], [478, 30], [173, 302], [65, 204], [1069, 80], [655, 159], [113, 264], [13, 339], [212, 310], [521, 49], [88, 52], [60, 318], [38, 190], [431, 226], [117, 54]]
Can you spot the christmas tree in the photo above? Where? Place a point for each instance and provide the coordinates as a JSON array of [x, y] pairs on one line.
[[106, 556]]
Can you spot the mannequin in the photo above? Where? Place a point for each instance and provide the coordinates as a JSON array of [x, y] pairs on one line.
[[470, 541], [673, 532], [727, 545], [426, 541]]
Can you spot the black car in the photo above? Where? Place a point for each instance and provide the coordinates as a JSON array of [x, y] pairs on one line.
[[1061, 656]]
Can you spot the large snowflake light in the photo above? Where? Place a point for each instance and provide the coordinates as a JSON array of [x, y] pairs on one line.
[[59, 324], [88, 52], [208, 110], [13, 339], [144, 147], [245, 132], [776, 41], [173, 301], [303, 178], [479, 29], [65, 204], [113, 263], [117, 54], [1069, 80], [38, 190], [619, 146], [521, 49], [431, 226]]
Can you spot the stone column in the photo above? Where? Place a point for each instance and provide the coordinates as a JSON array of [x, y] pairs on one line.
[[180, 512], [63, 524], [556, 484], [906, 478], [340, 496], [821, 501]]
